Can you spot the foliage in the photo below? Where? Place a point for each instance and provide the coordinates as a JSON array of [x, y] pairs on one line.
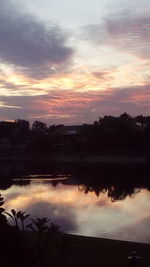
[[3, 219], [121, 135], [108, 135], [39, 127], [22, 125], [15, 216], [39, 247]]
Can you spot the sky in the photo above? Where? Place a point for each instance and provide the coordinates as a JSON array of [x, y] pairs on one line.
[[71, 62]]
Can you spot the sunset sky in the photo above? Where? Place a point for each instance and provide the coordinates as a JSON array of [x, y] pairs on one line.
[[70, 62]]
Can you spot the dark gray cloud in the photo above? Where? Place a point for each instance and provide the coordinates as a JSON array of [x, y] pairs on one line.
[[28, 44], [133, 100], [127, 31], [29, 107]]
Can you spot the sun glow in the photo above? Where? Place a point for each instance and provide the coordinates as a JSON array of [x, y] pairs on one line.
[[81, 79]]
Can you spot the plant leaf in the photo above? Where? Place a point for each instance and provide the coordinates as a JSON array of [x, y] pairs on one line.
[[19, 213], [13, 212], [9, 214]]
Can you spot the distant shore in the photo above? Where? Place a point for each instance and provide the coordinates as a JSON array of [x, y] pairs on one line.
[[87, 159], [109, 159], [100, 252]]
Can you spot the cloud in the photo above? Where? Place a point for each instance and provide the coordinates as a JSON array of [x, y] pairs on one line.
[[55, 107], [102, 75], [70, 107], [126, 31], [133, 100], [135, 232], [28, 44]]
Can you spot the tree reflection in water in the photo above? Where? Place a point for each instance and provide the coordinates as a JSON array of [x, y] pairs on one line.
[[114, 193], [117, 181], [117, 184]]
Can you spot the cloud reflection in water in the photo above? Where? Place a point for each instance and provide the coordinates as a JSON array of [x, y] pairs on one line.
[[84, 214]]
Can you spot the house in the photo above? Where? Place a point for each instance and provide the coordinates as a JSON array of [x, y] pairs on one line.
[[65, 136]]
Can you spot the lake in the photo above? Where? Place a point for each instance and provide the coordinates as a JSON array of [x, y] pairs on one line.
[[89, 203]]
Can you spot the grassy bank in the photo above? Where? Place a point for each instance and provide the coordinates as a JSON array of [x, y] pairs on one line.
[[99, 252]]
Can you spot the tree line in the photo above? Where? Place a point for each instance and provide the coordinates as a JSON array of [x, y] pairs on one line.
[[124, 134], [114, 135]]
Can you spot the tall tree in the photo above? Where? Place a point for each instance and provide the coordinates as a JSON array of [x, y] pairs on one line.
[[39, 127]]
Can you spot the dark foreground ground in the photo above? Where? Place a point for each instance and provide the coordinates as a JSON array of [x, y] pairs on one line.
[[30, 249], [99, 252]]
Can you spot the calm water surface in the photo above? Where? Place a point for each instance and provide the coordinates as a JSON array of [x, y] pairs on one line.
[[79, 212]]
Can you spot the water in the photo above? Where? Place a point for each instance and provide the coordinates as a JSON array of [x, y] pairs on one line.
[[101, 207]]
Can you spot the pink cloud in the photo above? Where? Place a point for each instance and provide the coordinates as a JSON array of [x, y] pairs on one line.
[[70, 107]]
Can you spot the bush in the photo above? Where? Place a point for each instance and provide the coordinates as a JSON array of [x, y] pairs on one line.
[[39, 243]]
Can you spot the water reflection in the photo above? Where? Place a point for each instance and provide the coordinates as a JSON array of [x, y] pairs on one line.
[[80, 213], [118, 192], [105, 201]]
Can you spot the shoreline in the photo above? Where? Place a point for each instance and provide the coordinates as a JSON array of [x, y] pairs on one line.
[[105, 239]]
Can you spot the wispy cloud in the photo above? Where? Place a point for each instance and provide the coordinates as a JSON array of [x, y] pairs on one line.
[[127, 31]]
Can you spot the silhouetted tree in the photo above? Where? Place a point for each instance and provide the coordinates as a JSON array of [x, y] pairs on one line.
[[39, 127], [22, 125]]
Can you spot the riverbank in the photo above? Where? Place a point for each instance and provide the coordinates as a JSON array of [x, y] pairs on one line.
[[100, 252]]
